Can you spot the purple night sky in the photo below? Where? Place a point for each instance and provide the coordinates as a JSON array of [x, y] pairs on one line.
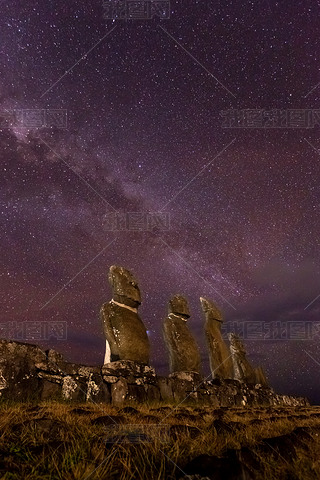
[[145, 134]]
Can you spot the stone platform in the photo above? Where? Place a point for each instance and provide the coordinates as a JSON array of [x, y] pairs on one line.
[[29, 373]]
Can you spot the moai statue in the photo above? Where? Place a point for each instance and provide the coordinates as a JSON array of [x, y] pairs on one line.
[[219, 356], [242, 370], [184, 355], [126, 336], [260, 377]]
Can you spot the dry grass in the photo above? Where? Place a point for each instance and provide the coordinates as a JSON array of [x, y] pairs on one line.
[[54, 440]]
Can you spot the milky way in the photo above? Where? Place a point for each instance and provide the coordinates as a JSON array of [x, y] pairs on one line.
[[146, 133]]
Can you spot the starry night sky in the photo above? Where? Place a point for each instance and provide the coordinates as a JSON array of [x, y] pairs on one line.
[[145, 134]]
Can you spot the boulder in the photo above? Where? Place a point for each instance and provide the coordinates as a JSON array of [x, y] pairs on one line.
[[119, 391], [97, 390], [184, 386], [126, 368], [50, 390], [165, 388], [73, 389], [153, 393], [18, 379]]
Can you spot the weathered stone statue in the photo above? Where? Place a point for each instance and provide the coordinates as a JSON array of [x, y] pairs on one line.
[[184, 355], [242, 370], [219, 355], [260, 377], [126, 336]]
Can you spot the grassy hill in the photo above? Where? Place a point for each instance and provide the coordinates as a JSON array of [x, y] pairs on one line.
[[55, 440]]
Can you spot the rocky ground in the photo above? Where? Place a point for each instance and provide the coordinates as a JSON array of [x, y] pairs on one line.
[[56, 440]]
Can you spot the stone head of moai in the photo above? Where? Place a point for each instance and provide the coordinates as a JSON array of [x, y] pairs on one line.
[[178, 305], [124, 286], [210, 310]]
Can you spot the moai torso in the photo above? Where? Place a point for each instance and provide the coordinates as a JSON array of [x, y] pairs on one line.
[[242, 370], [125, 333], [184, 355], [219, 355]]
